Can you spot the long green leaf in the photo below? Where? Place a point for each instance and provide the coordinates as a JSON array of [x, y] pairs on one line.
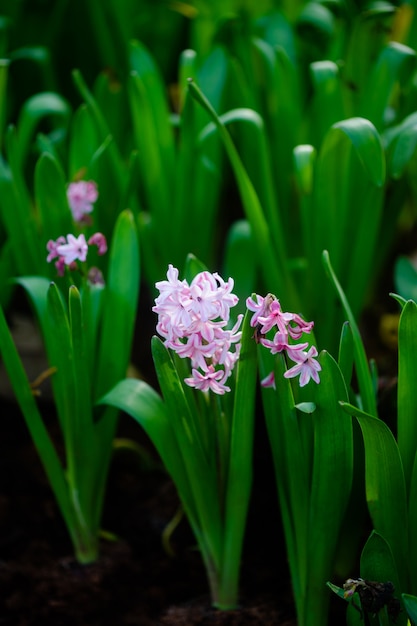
[[377, 563], [333, 448], [239, 479], [274, 262], [407, 397], [385, 486], [362, 369], [120, 305]]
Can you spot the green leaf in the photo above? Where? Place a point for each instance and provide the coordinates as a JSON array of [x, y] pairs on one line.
[[60, 355], [361, 364], [239, 262], [385, 486], [239, 479], [346, 353], [395, 62], [410, 603], [273, 263], [333, 448], [407, 396], [120, 304], [402, 150], [33, 111], [84, 140], [51, 199], [405, 276], [202, 478], [377, 563], [24, 396], [327, 103], [140, 401], [367, 143]]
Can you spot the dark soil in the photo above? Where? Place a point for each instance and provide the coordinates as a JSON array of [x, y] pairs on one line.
[[135, 580]]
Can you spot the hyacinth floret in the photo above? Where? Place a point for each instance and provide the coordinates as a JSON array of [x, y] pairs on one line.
[[268, 316], [192, 320]]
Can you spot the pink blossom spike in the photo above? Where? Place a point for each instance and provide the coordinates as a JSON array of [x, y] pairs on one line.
[[81, 196]]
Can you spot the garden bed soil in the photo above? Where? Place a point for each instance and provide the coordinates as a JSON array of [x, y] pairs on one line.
[[135, 581]]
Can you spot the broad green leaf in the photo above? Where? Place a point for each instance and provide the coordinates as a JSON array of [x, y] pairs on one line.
[[394, 62], [140, 401], [83, 142], [327, 102], [410, 603], [142, 64], [16, 210], [239, 263], [385, 486], [33, 111], [412, 520], [377, 563], [51, 199], [120, 304], [402, 150], [367, 143]]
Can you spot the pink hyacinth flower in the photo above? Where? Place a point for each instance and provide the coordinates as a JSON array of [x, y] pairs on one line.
[[75, 249], [306, 366], [211, 380], [52, 246], [81, 197], [99, 240]]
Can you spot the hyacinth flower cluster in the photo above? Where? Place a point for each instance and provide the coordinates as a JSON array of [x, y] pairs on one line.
[[289, 328], [67, 251], [192, 319], [81, 197]]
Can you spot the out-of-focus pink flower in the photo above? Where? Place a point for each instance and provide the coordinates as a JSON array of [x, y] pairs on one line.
[[52, 246], [288, 327], [99, 240], [192, 320], [71, 249], [75, 249], [81, 196]]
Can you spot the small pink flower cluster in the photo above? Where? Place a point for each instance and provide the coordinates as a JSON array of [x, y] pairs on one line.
[[68, 251], [268, 315], [192, 320], [81, 196]]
